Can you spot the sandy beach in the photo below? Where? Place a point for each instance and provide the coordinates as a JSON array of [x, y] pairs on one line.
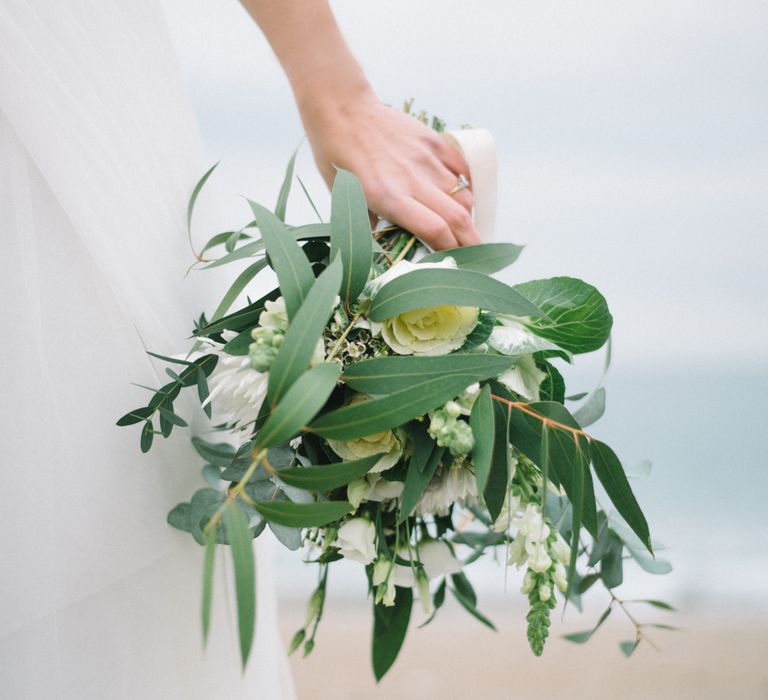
[[456, 657]]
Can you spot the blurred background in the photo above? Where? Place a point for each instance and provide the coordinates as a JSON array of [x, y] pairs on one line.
[[633, 153]]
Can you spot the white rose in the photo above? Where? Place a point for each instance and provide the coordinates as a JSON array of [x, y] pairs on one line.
[[356, 540]]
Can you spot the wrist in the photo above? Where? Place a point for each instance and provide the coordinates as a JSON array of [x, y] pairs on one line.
[[331, 89]]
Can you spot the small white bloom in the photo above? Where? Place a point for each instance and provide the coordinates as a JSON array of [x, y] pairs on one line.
[[516, 553], [545, 592], [356, 540], [454, 485], [559, 577], [383, 574], [524, 378], [529, 583], [531, 524], [274, 315], [510, 509], [561, 550], [538, 559]]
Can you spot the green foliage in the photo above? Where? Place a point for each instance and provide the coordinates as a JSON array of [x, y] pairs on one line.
[[305, 330], [485, 257], [583, 637], [578, 317], [538, 623], [285, 188], [386, 375], [495, 491], [299, 405], [351, 233], [241, 545], [417, 478], [208, 564], [390, 625], [433, 287], [294, 273], [482, 422], [327, 476], [314, 514]]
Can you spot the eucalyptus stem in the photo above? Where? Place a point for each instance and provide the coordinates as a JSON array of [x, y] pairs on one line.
[[337, 346], [405, 250]]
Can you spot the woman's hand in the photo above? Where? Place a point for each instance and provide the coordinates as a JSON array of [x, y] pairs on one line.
[[406, 169]]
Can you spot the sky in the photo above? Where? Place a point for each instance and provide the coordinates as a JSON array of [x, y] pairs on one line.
[[631, 138]]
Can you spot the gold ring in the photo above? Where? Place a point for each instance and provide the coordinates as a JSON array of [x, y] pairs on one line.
[[461, 184]]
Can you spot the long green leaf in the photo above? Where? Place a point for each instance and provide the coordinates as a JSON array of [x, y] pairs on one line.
[[525, 434], [392, 410], [578, 316], [210, 556], [385, 375], [416, 480], [577, 509], [294, 272], [351, 233], [583, 637], [481, 421], [303, 514], [241, 544], [299, 405], [611, 474], [193, 199], [485, 257], [237, 287], [435, 287], [306, 328], [285, 188], [469, 606], [327, 476], [495, 491], [390, 625]]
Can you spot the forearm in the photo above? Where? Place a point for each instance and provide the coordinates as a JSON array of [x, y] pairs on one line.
[[311, 49]]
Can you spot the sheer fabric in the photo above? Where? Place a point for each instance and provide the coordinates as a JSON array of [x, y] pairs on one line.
[[98, 153]]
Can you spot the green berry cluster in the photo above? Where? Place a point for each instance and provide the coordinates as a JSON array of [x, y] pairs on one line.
[[264, 348], [450, 431]]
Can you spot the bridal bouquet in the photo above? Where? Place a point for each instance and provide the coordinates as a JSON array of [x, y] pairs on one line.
[[400, 409]]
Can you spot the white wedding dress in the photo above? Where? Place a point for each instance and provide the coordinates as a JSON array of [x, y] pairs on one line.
[[99, 598]]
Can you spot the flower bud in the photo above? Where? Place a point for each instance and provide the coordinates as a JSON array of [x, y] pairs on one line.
[[314, 605], [545, 592], [529, 583]]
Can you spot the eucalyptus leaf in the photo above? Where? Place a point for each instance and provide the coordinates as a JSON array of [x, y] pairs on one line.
[[305, 330], [303, 514], [390, 625], [611, 475], [495, 491], [328, 476], [294, 273], [351, 233], [285, 189], [299, 405], [386, 375], [240, 540], [208, 563], [390, 411], [485, 257], [582, 637], [416, 480], [481, 420], [435, 287], [289, 537], [592, 409]]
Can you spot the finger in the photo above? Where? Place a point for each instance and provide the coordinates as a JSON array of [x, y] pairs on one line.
[[457, 217], [421, 222], [452, 158]]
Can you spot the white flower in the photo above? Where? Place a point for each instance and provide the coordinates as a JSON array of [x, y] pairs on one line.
[[356, 540], [236, 390], [545, 592], [524, 378], [383, 574], [373, 488], [516, 554], [529, 583], [538, 559], [561, 550], [453, 485], [509, 510], [559, 577], [436, 556], [274, 315], [433, 330], [513, 338]]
